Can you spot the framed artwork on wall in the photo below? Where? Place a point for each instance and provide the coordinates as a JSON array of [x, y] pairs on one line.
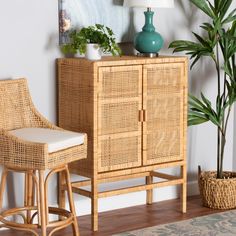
[[75, 14]]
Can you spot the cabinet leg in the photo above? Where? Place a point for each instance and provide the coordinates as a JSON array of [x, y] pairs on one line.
[[149, 193], [184, 188], [94, 203]]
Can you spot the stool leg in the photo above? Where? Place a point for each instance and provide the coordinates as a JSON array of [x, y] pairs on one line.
[[61, 191], [32, 186], [26, 189], [29, 193], [71, 202], [3, 185], [42, 203]]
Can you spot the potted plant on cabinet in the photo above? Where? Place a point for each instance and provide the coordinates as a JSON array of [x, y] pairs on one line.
[[92, 41], [218, 188]]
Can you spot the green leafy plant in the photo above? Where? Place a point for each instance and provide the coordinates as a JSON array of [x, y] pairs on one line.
[[220, 45], [97, 34]]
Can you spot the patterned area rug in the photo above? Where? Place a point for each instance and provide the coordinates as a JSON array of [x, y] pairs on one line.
[[212, 225]]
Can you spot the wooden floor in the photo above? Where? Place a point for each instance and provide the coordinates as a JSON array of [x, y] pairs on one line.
[[132, 218]]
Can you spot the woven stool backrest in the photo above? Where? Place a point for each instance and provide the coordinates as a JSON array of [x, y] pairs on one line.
[[16, 108]]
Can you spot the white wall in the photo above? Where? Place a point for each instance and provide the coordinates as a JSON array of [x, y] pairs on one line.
[[28, 47]]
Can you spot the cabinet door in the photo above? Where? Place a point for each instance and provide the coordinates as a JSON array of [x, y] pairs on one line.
[[163, 102], [119, 127]]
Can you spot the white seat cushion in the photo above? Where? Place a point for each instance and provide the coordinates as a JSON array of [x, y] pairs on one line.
[[57, 140]]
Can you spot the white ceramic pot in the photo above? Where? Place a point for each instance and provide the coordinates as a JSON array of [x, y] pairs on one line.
[[93, 52]]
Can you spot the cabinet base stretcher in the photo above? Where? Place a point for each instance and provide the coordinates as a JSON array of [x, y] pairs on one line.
[[150, 184]]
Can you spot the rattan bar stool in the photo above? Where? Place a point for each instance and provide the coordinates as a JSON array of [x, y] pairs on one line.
[[30, 144]]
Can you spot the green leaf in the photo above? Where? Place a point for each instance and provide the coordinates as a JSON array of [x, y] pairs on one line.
[[231, 17], [184, 44], [196, 50], [207, 26], [97, 33], [195, 61], [66, 49], [201, 4], [201, 40], [195, 99], [204, 107], [196, 121], [198, 108], [216, 3], [212, 7], [194, 114], [225, 7], [206, 101]]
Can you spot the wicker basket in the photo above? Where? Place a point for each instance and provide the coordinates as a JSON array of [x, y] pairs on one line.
[[218, 193]]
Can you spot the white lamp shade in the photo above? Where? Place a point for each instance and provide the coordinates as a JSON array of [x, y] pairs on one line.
[[149, 3]]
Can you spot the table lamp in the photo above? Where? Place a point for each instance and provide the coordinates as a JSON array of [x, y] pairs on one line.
[[148, 42]]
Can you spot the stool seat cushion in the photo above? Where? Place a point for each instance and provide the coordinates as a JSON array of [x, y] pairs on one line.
[[56, 139]]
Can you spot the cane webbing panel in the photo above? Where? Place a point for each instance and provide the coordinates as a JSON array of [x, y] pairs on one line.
[[17, 111], [123, 85], [120, 99], [163, 145], [16, 106], [75, 97], [76, 105], [169, 115], [119, 117], [118, 153], [164, 105]]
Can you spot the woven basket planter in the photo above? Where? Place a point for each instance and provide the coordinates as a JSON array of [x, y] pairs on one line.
[[218, 193]]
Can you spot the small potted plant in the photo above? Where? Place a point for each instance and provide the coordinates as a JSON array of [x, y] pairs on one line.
[[218, 188], [92, 41]]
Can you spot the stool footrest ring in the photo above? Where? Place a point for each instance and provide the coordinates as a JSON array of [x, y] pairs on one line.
[[67, 215]]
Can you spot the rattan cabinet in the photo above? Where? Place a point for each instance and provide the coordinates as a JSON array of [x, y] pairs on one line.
[[134, 112]]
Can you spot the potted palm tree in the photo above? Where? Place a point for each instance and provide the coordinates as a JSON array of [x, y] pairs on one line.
[[92, 41], [218, 188]]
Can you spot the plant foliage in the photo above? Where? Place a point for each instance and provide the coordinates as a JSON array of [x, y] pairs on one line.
[[98, 34], [220, 45]]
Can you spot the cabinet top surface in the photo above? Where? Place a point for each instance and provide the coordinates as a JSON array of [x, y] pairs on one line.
[[125, 60]]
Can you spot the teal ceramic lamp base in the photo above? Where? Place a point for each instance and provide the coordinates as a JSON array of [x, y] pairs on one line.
[[148, 42]]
